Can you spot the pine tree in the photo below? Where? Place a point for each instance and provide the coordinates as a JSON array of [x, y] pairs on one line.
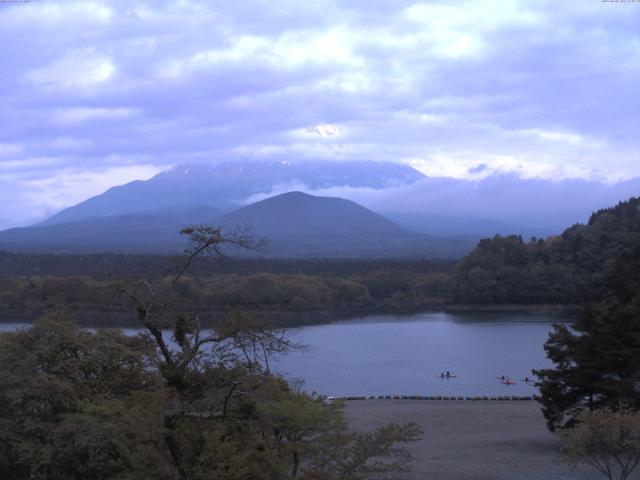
[[597, 360]]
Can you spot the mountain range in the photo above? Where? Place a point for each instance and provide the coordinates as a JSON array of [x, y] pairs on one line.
[[294, 224], [228, 185], [413, 211]]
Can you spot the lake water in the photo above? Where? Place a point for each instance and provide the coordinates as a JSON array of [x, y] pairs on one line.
[[405, 355]]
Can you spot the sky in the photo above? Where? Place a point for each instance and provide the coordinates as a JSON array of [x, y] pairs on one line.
[[98, 94]]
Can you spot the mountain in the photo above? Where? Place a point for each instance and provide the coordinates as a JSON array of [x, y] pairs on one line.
[[498, 203], [121, 233], [299, 214], [227, 185], [296, 225], [132, 233]]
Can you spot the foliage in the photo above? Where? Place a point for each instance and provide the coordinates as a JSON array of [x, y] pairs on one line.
[[77, 404], [275, 294], [569, 269], [597, 361], [97, 404], [607, 440]]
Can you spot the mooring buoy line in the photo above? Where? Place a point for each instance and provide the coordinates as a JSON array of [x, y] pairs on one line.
[[436, 397]]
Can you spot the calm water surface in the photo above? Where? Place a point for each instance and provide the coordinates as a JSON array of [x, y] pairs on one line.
[[405, 355]]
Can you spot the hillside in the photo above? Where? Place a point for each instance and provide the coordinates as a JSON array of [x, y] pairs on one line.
[[310, 219], [295, 224], [225, 185], [298, 224], [119, 233], [571, 268], [133, 233]]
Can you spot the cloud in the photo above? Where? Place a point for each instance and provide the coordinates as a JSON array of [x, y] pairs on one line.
[[570, 138], [82, 70], [8, 150], [536, 89], [478, 169], [75, 115], [38, 198], [70, 143]]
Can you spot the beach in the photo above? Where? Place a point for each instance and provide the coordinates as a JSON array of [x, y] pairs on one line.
[[472, 440]]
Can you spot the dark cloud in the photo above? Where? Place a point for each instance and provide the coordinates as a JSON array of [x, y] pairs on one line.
[[478, 168]]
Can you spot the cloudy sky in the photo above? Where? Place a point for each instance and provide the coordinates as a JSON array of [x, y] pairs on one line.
[[97, 94]]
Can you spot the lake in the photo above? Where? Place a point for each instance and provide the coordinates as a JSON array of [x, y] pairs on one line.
[[393, 355]]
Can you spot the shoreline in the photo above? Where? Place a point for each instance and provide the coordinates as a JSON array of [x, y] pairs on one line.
[[553, 310], [289, 319]]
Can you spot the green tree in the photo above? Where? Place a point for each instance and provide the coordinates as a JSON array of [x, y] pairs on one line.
[[79, 405], [193, 405], [607, 440], [597, 361]]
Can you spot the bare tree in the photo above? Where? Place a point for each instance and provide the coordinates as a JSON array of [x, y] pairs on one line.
[[205, 369], [153, 304]]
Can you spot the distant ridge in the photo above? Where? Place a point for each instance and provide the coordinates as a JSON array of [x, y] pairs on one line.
[[296, 225], [224, 185]]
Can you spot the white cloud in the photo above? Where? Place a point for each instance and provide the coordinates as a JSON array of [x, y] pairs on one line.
[[67, 187], [459, 30], [570, 138], [56, 14], [463, 165], [322, 130], [82, 69], [74, 115], [289, 50]]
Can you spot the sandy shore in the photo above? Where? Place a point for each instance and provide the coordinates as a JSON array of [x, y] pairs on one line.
[[464, 440]]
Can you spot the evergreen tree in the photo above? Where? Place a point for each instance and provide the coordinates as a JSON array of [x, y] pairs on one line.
[[597, 361]]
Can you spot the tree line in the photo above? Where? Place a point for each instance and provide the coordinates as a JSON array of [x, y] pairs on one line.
[[571, 268], [284, 297]]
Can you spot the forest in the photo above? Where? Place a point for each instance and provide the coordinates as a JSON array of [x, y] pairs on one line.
[[568, 269], [565, 270]]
